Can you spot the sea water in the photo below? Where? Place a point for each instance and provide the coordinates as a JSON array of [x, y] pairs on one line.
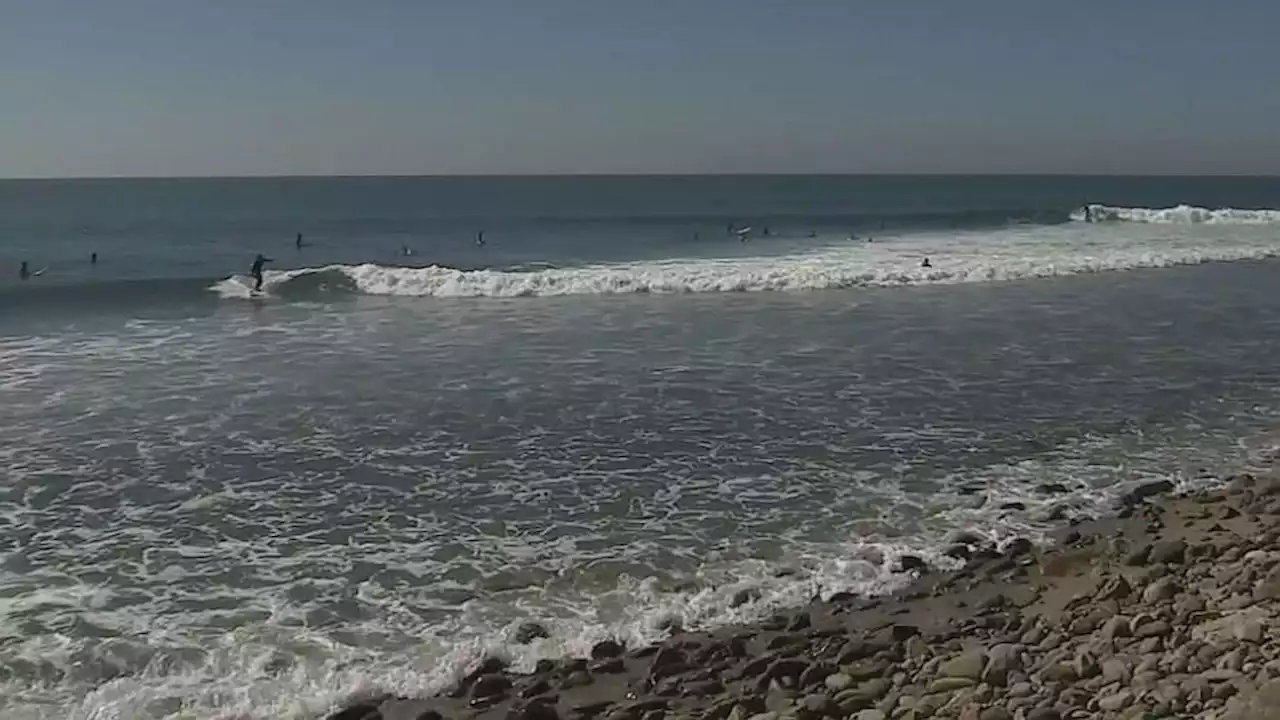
[[616, 411]]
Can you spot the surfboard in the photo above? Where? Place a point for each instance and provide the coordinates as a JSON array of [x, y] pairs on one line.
[[39, 272]]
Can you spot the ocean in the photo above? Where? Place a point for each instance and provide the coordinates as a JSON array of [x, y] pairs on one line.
[[617, 412]]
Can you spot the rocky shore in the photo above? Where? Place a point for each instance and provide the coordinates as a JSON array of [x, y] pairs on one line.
[[1165, 610]]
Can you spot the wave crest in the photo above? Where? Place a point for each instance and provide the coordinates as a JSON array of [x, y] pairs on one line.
[[1179, 215]]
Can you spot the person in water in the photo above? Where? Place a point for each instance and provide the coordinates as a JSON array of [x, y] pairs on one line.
[[925, 263], [93, 258], [24, 272], [256, 271], [297, 242], [1088, 214], [480, 239]]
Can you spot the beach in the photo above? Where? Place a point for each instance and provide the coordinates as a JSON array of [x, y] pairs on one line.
[[1165, 610]]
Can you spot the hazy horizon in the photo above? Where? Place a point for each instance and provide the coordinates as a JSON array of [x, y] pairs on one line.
[[151, 89]]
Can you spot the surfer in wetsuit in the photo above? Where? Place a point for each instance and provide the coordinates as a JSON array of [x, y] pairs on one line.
[[24, 272], [93, 258], [297, 242], [1088, 214], [256, 271], [480, 239]]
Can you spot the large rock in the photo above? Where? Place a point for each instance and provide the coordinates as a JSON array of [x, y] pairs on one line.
[[1163, 589], [1169, 552], [606, 649], [966, 665], [1002, 659], [490, 687], [530, 631]]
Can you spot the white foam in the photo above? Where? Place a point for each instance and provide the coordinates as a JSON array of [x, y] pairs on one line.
[[1014, 253], [1182, 215]]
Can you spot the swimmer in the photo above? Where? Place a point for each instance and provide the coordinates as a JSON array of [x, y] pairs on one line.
[[297, 241], [256, 271], [93, 258], [24, 272], [480, 239], [925, 263]]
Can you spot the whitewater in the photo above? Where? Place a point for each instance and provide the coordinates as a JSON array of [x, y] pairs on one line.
[[1119, 239]]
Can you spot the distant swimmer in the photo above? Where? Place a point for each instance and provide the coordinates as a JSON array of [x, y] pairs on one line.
[[297, 242], [480, 239], [405, 250], [93, 258], [256, 271], [24, 272], [925, 263]]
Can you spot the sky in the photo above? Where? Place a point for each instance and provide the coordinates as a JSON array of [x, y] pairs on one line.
[[105, 88]]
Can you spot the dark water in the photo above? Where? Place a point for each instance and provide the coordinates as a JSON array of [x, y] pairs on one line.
[[371, 474]]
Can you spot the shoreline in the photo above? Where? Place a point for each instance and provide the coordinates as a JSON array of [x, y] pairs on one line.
[[1160, 610]]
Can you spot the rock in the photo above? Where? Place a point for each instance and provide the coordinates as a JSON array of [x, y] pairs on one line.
[[950, 684], [530, 631], [489, 687], [1139, 556], [1115, 588], [612, 666], [670, 656], [1086, 666], [818, 705], [1018, 690], [907, 563], [1248, 631], [816, 673], [535, 688], [1116, 702], [537, 711], [1153, 629], [1018, 547], [871, 714], [1116, 670], [866, 669], [1059, 672], [1163, 589], [1116, 626], [362, 710], [577, 678], [1002, 659], [837, 682], [1043, 713], [967, 665], [606, 649], [1144, 491], [995, 713], [703, 688], [1169, 552]]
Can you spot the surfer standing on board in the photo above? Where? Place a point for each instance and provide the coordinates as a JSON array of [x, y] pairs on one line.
[[256, 271]]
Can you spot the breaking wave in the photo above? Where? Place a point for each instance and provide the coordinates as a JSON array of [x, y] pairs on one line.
[[1013, 254], [1180, 215]]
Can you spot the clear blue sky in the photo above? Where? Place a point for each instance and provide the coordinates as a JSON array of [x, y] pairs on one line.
[[250, 87]]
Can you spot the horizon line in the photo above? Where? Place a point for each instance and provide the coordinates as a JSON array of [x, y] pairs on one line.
[[390, 176]]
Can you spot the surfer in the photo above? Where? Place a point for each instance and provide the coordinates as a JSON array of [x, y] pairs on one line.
[[480, 239], [406, 250], [297, 242], [925, 263], [24, 272], [93, 258], [1088, 214], [256, 271]]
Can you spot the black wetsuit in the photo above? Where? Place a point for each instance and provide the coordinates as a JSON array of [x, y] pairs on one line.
[[256, 271]]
